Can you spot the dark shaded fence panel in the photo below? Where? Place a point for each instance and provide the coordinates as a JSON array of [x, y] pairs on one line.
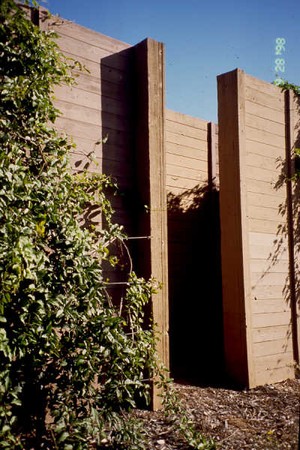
[[115, 114], [194, 253]]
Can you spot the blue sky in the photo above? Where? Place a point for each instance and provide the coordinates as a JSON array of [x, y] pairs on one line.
[[203, 39]]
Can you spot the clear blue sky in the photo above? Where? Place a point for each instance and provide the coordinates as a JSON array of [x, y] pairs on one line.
[[203, 39]]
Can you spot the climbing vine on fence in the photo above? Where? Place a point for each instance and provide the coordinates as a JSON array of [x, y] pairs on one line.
[[286, 86], [71, 364]]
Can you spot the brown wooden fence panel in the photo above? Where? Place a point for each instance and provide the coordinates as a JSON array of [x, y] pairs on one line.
[[120, 100], [96, 107], [254, 230], [186, 152]]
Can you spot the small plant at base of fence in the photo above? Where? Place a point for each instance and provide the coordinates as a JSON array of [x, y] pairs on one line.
[[177, 415]]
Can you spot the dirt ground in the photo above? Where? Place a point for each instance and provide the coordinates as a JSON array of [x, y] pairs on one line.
[[265, 418]]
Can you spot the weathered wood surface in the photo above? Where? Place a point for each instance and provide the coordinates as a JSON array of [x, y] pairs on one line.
[[150, 159], [122, 83], [119, 100], [253, 189], [234, 233]]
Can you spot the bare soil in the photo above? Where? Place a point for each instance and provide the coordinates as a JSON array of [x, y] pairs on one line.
[[265, 418]]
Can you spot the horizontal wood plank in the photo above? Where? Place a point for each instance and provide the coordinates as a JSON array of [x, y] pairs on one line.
[[265, 112], [78, 96], [267, 150], [266, 213], [263, 86], [268, 306], [265, 187], [255, 135], [271, 348], [70, 29], [270, 333], [260, 225], [180, 183], [184, 141], [270, 278], [272, 176], [186, 130], [182, 173], [186, 162], [276, 374], [186, 119], [267, 162], [265, 291], [197, 153], [273, 362], [264, 266]]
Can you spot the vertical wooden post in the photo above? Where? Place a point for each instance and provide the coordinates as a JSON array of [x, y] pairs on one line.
[[234, 235], [212, 160], [290, 141], [150, 156]]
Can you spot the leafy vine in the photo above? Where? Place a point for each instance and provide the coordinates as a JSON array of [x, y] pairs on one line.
[[72, 364]]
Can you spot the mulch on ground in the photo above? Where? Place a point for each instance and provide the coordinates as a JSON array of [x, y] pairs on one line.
[[265, 418]]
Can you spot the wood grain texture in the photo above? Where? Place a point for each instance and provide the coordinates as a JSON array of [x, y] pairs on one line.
[[122, 98], [234, 232], [258, 200], [150, 154], [261, 150]]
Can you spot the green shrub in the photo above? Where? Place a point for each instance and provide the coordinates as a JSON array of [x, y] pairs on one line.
[[68, 366], [71, 366]]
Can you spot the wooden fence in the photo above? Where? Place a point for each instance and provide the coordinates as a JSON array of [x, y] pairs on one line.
[[259, 128], [234, 315], [194, 249]]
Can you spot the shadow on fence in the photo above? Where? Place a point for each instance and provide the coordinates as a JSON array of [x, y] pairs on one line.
[[296, 205], [288, 233], [118, 158], [196, 328]]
